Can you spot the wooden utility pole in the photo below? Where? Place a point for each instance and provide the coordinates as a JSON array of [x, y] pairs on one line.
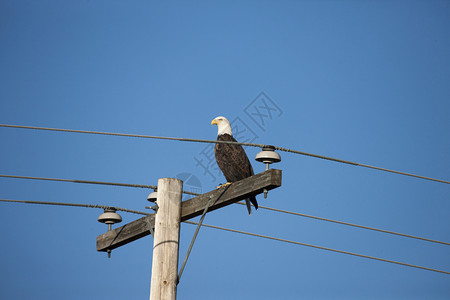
[[166, 240], [166, 224]]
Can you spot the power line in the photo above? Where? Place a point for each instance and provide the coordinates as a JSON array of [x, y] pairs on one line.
[[75, 204], [90, 182], [228, 142], [197, 194], [81, 181], [350, 224], [227, 229], [320, 247]]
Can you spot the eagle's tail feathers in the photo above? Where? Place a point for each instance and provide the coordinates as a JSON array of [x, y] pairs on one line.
[[253, 201], [249, 207]]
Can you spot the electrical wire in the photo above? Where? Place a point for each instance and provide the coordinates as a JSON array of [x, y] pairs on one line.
[[76, 205], [228, 142], [228, 229], [241, 203], [199, 224], [350, 224], [319, 247], [90, 182], [81, 181]]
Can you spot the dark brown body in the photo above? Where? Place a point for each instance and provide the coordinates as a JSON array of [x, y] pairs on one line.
[[233, 161]]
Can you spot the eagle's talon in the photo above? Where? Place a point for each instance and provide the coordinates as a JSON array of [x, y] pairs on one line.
[[222, 185]]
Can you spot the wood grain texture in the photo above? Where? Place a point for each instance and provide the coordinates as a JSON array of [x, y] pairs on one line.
[[191, 208], [166, 240]]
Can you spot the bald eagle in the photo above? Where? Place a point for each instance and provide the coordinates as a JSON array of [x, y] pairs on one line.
[[231, 158]]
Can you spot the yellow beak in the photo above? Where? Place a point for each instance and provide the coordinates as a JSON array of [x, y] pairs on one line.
[[214, 122]]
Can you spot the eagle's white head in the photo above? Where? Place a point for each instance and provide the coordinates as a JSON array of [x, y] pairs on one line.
[[223, 125]]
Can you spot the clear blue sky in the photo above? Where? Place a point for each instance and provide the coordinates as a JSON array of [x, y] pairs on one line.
[[366, 81]]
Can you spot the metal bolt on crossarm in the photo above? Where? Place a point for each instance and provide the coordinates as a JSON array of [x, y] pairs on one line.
[[109, 217], [268, 156]]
